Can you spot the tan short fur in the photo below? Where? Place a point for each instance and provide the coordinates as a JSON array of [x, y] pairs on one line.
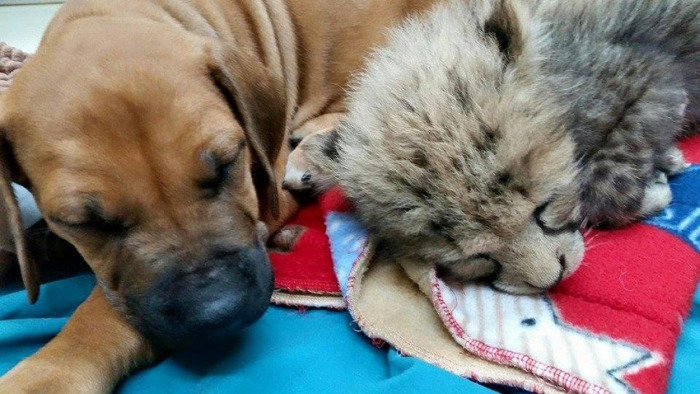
[[137, 146]]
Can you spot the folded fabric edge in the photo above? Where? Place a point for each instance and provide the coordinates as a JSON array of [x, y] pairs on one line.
[[326, 301], [505, 357], [421, 334]]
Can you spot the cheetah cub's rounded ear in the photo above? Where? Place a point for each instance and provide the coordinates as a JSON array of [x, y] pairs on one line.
[[505, 25]]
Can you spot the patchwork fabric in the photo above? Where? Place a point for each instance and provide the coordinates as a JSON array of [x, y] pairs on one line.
[[682, 218], [611, 327], [304, 274]]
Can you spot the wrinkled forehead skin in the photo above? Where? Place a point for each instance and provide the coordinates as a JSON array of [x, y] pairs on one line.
[[129, 126], [115, 115]]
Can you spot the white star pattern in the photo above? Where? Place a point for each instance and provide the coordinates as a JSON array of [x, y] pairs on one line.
[[531, 326]]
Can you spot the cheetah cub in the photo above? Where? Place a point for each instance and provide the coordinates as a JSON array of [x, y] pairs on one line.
[[486, 132]]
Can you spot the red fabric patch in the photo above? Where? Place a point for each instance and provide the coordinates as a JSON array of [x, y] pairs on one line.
[[334, 201], [308, 268], [691, 149], [639, 272]]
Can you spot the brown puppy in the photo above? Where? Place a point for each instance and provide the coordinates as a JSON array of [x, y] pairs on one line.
[[154, 137]]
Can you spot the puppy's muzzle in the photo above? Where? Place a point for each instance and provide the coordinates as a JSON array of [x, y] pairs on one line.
[[229, 291]]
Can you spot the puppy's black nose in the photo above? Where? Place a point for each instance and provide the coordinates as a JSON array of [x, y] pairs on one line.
[[225, 293]]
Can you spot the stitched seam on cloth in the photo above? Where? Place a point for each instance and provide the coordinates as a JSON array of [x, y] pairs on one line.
[[296, 300], [364, 257], [436, 358], [355, 284], [507, 357], [310, 281], [295, 283], [332, 280], [303, 290]]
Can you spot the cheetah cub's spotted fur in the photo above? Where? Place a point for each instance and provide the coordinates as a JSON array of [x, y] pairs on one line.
[[483, 135]]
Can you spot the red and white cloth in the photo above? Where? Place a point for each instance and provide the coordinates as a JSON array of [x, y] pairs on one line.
[[611, 327]]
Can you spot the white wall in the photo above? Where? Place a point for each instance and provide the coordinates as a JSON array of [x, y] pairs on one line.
[[22, 25]]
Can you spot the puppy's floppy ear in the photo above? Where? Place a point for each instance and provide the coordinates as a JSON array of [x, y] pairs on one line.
[[505, 24], [12, 237], [257, 97]]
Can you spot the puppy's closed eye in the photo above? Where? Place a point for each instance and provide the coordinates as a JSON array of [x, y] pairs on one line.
[[110, 227], [221, 169], [91, 218]]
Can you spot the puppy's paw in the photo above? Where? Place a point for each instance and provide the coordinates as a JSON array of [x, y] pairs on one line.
[[285, 239], [657, 196], [32, 376]]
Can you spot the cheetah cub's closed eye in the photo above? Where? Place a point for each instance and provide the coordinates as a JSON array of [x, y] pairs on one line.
[[483, 135]]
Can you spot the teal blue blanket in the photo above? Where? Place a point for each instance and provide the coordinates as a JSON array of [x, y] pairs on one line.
[[287, 351]]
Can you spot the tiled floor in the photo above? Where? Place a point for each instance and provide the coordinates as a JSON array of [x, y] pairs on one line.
[[22, 26]]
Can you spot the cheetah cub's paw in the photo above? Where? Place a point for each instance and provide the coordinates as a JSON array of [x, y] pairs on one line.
[[309, 165], [314, 143], [297, 175], [674, 162], [657, 195]]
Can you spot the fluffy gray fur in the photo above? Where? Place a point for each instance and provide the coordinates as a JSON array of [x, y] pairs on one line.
[[485, 132], [629, 72]]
